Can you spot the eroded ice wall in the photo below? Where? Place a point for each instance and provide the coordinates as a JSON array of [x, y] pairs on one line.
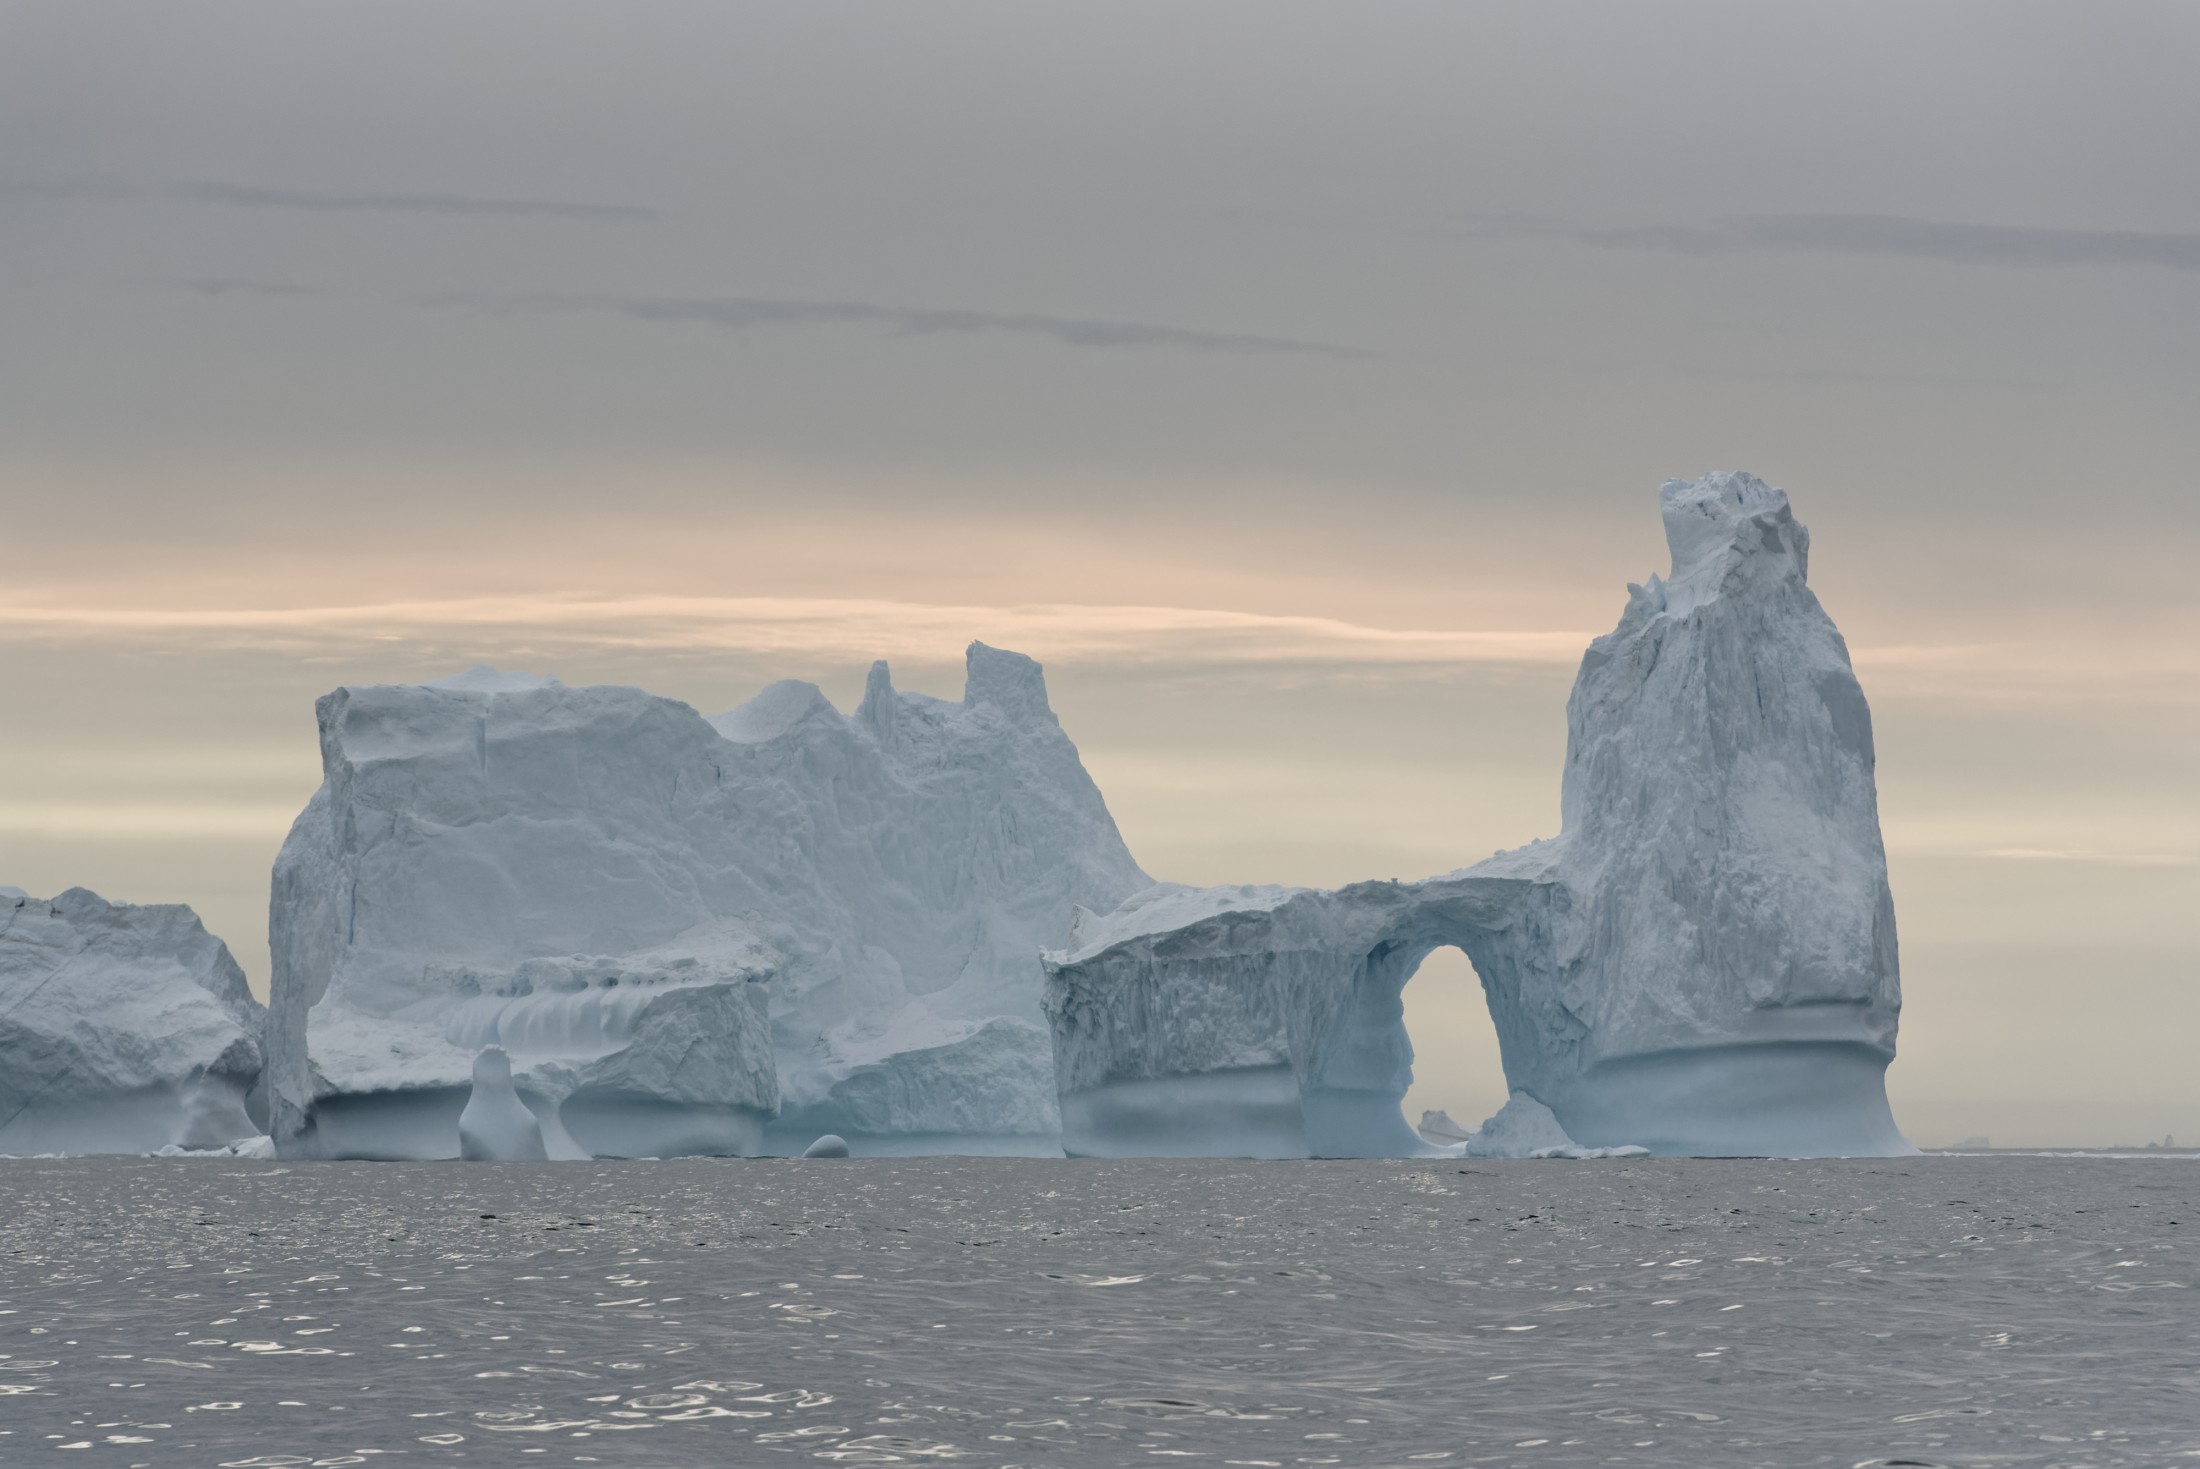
[[1702, 962], [124, 1028], [1731, 956], [678, 927]]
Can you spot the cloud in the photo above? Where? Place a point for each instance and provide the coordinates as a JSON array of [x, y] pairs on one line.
[[319, 201], [143, 820], [2055, 668], [748, 313], [2112, 859], [1121, 634], [230, 286], [850, 628], [1869, 234], [77, 188], [255, 196]]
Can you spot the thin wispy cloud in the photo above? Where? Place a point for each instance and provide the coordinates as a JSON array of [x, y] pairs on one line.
[[856, 630], [139, 820], [230, 286], [752, 313], [2110, 859], [2053, 670], [1946, 241], [256, 196], [325, 201], [842, 628], [742, 314]]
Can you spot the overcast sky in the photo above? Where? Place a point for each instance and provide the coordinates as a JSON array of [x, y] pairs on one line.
[[1294, 380]]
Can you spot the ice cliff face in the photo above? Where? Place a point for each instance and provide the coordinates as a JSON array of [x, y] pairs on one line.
[[1702, 962], [1728, 972], [679, 927], [125, 1029]]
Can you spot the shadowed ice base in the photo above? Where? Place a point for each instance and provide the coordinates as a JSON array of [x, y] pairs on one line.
[[1788, 1099], [1252, 1112], [204, 1114], [421, 1125], [782, 1140]]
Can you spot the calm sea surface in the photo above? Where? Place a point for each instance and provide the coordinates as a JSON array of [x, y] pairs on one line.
[[996, 1312]]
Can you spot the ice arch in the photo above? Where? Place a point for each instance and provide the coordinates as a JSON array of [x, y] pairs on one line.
[[1268, 1021], [1457, 1071], [1702, 961]]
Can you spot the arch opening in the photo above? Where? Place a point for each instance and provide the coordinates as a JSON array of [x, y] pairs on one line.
[[1457, 1068], [1356, 1098]]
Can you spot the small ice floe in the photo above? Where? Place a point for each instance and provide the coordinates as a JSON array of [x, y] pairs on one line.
[[1437, 1127], [1525, 1128], [261, 1146]]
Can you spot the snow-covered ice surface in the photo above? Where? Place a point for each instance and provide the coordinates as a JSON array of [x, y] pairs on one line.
[[1702, 962], [608, 885], [1927, 1311], [124, 1028]]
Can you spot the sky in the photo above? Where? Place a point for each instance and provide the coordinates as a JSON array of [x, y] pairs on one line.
[[1293, 380]]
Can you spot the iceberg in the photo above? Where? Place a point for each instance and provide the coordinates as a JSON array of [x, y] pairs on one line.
[[125, 1028], [1525, 1128], [1702, 962], [1439, 1127], [688, 935], [1522, 1128]]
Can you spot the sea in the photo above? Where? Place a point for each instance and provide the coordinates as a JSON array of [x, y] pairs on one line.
[[1954, 1311]]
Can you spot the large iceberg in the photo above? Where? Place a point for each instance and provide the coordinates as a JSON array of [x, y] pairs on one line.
[[125, 1028], [1702, 962], [689, 935]]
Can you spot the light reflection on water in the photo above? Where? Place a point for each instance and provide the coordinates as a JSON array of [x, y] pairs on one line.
[[1016, 1312]]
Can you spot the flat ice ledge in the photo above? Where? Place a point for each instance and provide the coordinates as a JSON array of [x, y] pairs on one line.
[[660, 1053], [647, 1067]]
